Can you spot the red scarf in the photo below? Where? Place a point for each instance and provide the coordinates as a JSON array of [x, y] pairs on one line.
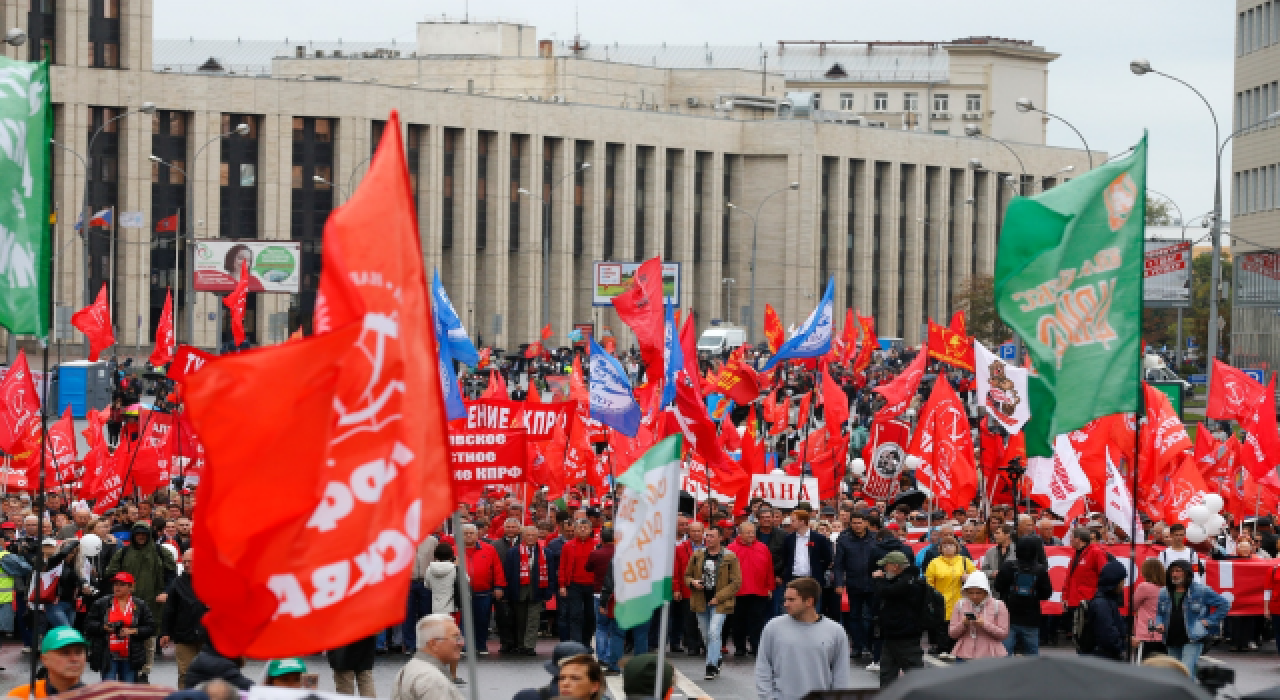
[[119, 644], [544, 579]]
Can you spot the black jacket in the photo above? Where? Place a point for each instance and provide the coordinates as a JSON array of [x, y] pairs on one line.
[[95, 628], [1104, 613], [776, 539], [888, 543], [853, 563], [210, 665], [1024, 610], [820, 557], [356, 656], [899, 601], [183, 612]]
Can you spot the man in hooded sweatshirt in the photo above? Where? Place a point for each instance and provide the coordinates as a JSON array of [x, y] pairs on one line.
[[153, 570], [1105, 621], [1022, 583]]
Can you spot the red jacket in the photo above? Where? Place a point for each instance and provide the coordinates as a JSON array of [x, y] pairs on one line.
[[684, 552], [1082, 575], [573, 563], [757, 567], [484, 568], [598, 563]]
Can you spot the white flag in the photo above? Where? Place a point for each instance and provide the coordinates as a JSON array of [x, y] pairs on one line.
[[646, 533], [1119, 508], [1002, 389], [1062, 479]]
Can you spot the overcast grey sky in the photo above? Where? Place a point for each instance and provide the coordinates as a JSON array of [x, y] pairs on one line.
[[1090, 84]]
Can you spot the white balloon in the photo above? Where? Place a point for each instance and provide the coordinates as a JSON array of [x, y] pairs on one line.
[[1199, 514], [1196, 534], [912, 462], [91, 545], [1215, 525], [858, 467], [1213, 502]]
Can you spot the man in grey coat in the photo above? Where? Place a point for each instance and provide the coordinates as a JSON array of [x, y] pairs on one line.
[[426, 676]]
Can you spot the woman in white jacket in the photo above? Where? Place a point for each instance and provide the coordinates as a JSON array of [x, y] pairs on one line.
[[446, 591]]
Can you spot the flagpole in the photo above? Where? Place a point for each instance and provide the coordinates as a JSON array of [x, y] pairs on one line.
[[173, 284], [36, 632], [111, 267], [468, 615], [662, 650]]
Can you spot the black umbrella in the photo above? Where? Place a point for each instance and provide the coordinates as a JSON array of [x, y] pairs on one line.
[[911, 498], [1044, 678]]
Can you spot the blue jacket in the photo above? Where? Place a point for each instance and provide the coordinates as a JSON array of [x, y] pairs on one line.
[[853, 565], [511, 569], [820, 557], [1104, 613], [1203, 610]]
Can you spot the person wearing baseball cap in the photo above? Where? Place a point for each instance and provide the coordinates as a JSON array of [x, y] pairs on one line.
[[121, 626], [285, 673], [897, 588], [63, 653]]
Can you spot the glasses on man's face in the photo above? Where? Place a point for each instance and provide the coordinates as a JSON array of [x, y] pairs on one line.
[[456, 639]]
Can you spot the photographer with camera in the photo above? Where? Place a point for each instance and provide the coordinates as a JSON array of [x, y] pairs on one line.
[[119, 628]]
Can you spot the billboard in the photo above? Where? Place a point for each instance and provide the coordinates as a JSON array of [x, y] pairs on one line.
[[274, 266], [1167, 274], [609, 279], [1257, 279]]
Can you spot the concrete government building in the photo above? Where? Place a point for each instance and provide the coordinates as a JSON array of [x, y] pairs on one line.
[[893, 199]]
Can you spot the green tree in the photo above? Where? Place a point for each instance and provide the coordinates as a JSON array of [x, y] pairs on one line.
[[1197, 318], [977, 298], [1158, 212]]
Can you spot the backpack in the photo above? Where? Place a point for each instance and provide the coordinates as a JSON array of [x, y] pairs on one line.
[[933, 608], [1024, 584]]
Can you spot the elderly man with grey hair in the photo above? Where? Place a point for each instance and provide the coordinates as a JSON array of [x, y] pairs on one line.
[[503, 613], [79, 525], [484, 571], [427, 676]]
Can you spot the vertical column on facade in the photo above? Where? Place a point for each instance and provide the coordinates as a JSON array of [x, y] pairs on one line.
[[72, 265], [275, 169], [860, 223], [73, 33], [987, 197], [350, 148], [562, 280], [838, 242], [464, 228], [656, 202], [682, 222], [135, 35], [940, 215], [959, 258], [887, 314], [429, 188], [800, 242], [204, 176], [482, 304], [527, 310], [593, 227], [493, 324], [917, 209], [711, 290], [14, 14], [132, 278], [624, 224]]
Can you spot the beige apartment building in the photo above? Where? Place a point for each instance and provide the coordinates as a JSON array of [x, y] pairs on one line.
[[628, 151], [1255, 181]]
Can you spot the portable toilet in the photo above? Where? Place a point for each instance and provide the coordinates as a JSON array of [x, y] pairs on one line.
[[83, 386]]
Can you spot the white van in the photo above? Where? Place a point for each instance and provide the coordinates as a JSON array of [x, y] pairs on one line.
[[720, 340]]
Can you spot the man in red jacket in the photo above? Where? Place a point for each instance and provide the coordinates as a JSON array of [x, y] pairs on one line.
[[577, 584], [754, 597], [680, 592], [1082, 574], [484, 570]]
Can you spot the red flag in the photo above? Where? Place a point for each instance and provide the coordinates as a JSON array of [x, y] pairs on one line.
[[884, 454], [236, 301], [738, 382], [957, 323], [1233, 395], [95, 322], [730, 440], [59, 451], [186, 361], [1184, 488], [578, 390], [700, 436], [19, 405], [753, 455], [359, 410], [150, 462], [641, 308], [773, 330], [897, 393], [848, 337], [162, 354], [802, 416], [1164, 440], [546, 333], [1260, 451], [168, 224], [781, 418], [835, 411], [497, 388], [533, 350], [945, 446], [946, 345], [186, 452]]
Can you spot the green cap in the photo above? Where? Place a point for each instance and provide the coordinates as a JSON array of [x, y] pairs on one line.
[[893, 558], [59, 637], [280, 667]]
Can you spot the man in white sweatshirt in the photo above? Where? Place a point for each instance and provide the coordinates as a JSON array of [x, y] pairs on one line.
[[801, 651]]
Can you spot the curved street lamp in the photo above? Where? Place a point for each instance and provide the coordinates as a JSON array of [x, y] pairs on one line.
[[755, 227], [1025, 105], [15, 37], [974, 131]]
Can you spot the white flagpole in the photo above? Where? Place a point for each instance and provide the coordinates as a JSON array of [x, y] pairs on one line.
[[468, 615], [662, 650]]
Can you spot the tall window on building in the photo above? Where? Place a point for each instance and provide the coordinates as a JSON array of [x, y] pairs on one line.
[[42, 30], [103, 189], [699, 170], [483, 140], [824, 222], [726, 221], [881, 102], [979, 182], [973, 103], [448, 169], [643, 156], [579, 197], [312, 200], [911, 102], [413, 152], [846, 101], [514, 197], [817, 101], [104, 33], [927, 272], [168, 215], [237, 206], [668, 206], [876, 212], [610, 177], [548, 201], [856, 173], [906, 179], [942, 103]]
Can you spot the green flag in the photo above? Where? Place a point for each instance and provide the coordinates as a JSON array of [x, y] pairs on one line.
[[26, 125], [645, 531], [1069, 282]]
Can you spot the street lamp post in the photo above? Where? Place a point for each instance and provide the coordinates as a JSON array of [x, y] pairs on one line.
[[755, 239], [15, 37], [1141, 67], [189, 243], [975, 131], [546, 239], [1026, 105], [322, 181]]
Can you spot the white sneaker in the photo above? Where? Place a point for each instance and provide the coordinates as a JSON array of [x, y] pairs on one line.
[[1253, 646], [945, 656], [26, 650], [873, 666]]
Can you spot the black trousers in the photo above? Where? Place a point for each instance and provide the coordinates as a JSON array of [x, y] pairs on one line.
[[750, 612], [899, 655], [582, 613], [505, 619], [675, 625]]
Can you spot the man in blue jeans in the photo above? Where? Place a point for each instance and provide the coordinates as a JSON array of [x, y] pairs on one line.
[[1022, 583]]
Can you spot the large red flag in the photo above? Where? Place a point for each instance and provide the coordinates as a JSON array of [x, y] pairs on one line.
[[945, 446], [94, 321], [955, 349], [162, 354], [773, 330], [835, 405], [849, 336], [151, 468], [358, 410], [897, 393], [738, 382], [59, 452], [1233, 395], [957, 323], [1184, 488], [1260, 451], [236, 302], [869, 343], [700, 435], [1164, 437], [19, 405], [641, 308]]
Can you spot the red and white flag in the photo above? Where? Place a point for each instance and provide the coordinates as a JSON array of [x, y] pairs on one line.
[[641, 308], [897, 393], [94, 321], [1260, 451], [1061, 479], [944, 445], [19, 406], [1233, 395], [1119, 505]]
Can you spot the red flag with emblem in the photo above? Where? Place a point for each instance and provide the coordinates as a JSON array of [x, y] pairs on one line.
[[59, 451], [835, 405], [94, 321], [1212, 460], [957, 323], [848, 337], [236, 302], [897, 393], [1260, 451], [162, 354], [738, 382], [944, 444], [1184, 488], [641, 308], [1163, 437], [359, 410], [19, 406], [869, 344], [774, 333], [1233, 395], [946, 345]]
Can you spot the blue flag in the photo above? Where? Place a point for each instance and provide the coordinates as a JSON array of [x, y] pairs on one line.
[[453, 405], [672, 355], [611, 400], [460, 345], [814, 337]]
